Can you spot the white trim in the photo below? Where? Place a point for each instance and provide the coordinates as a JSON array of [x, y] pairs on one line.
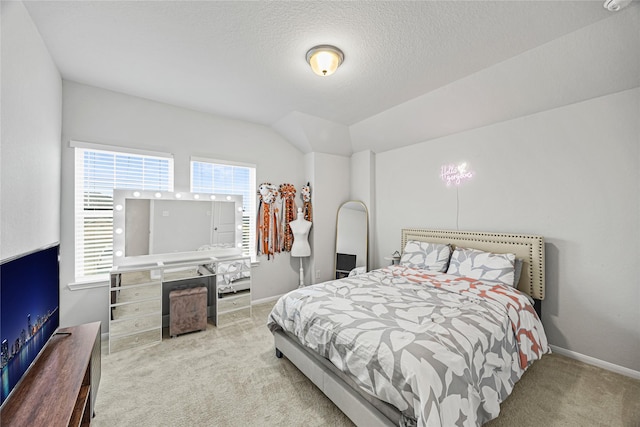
[[118, 149], [77, 286], [597, 362], [221, 162]]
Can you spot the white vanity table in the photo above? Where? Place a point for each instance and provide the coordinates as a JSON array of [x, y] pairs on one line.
[[138, 294], [172, 240]]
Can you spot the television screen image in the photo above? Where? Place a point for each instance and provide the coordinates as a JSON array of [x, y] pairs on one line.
[[344, 264], [29, 315]]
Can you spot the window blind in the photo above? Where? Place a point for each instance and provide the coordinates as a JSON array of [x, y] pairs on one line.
[[224, 178], [97, 174]]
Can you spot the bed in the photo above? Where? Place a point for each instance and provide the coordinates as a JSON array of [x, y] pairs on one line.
[[440, 339]]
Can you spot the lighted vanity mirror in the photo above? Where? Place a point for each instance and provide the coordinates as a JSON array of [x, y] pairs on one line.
[[352, 239], [151, 226]]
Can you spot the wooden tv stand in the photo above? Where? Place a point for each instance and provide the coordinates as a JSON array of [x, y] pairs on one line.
[[60, 388]]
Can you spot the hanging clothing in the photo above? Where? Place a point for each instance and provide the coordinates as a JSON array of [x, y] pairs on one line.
[[305, 193], [268, 221], [288, 195]]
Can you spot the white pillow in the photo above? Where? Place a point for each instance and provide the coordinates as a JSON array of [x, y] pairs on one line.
[[517, 271], [357, 270], [426, 256], [483, 265]]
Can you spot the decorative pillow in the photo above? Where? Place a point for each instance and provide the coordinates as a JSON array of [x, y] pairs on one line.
[[426, 256], [483, 265], [517, 271]]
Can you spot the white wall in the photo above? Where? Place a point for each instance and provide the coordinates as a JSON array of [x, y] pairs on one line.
[[570, 174], [329, 189], [99, 116], [363, 188], [309, 263], [30, 148], [362, 175]]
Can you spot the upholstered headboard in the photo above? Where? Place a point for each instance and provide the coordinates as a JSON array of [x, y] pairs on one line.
[[530, 249]]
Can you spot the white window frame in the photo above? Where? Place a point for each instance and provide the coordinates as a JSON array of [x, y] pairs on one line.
[[248, 199], [82, 275]]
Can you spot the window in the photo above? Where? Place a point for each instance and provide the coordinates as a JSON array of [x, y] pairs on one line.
[[213, 176], [97, 173]]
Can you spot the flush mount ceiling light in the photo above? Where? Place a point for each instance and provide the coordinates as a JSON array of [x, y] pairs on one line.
[[324, 59], [615, 5]]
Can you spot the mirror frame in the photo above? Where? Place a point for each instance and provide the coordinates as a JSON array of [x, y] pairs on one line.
[[119, 220], [335, 255]]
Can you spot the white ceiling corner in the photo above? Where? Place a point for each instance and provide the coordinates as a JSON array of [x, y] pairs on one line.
[[314, 134]]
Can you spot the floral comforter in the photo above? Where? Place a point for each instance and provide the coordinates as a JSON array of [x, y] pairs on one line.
[[444, 350]]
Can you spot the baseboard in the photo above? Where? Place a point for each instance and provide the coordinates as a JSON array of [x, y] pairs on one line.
[[267, 299], [597, 362]]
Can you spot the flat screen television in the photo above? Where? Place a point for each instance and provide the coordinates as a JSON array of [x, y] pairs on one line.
[[29, 316]]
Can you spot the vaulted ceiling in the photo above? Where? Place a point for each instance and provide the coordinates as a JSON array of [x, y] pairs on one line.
[[413, 70]]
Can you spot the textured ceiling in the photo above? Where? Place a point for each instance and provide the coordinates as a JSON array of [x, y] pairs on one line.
[[245, 60]]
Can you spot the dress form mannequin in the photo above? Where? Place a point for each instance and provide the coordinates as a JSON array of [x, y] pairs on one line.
[[300, 248]]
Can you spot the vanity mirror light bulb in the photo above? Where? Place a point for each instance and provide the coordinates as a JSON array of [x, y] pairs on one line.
[[196, 196], [158, 195], [136, 194], [118, 230], [240, 227], [178, 195], [239, 245], [212, 197], [118, 207], [228, 197], [118, 253], [240, 209]]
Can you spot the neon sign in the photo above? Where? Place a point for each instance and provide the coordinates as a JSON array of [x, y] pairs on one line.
[[455, 174]]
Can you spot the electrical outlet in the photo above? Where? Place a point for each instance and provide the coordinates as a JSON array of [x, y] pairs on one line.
[[317, 274]]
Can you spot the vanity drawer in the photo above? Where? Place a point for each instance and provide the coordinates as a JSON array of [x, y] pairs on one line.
[[135, 324], [232, 302], [136, 293], [234, 316], [137, 308], [135, 340]]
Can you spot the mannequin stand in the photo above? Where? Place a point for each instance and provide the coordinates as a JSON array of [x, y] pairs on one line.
[[301, 275]]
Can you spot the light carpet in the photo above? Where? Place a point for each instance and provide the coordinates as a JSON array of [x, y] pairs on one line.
[[229, 376]]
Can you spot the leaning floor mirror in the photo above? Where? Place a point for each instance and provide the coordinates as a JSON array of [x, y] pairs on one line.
[[352, 239]]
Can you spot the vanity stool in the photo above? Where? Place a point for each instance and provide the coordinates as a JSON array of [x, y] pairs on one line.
[[187, 310]]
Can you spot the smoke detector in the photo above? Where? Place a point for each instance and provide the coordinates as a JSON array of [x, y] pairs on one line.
[[615, 5]]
